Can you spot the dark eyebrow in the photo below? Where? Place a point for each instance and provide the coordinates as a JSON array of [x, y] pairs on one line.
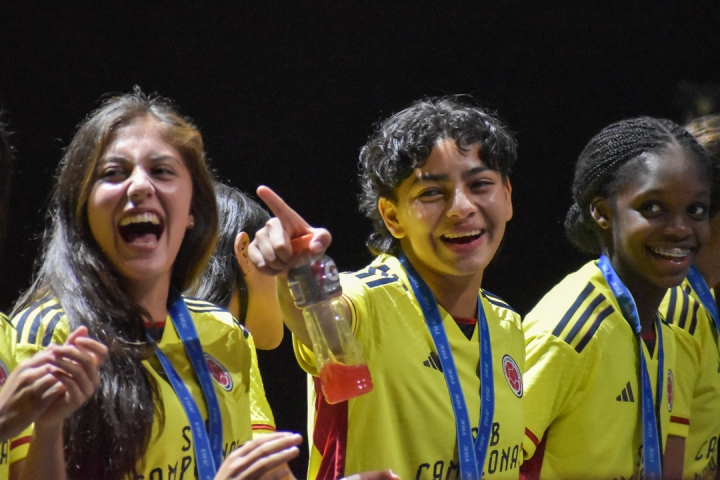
[[121, 159], [428, 177]]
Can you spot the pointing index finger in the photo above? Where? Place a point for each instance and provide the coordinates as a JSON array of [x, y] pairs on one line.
[[291, 221]]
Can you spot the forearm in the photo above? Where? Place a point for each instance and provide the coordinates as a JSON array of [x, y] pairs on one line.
[[292, 316], [45, 458], [674, 458]]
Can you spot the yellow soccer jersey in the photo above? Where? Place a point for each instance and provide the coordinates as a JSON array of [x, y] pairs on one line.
[[227, 353], [15, 449], [582, 393], [407, 422], [261, 414], [697, 378]]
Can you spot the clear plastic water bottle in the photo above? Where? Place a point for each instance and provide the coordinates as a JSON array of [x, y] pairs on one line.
[[316, 289]]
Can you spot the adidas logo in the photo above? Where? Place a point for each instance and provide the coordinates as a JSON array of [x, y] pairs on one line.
[[626, 395], [433, 362]]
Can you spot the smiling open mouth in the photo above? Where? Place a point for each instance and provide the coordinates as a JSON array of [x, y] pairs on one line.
[[144, 228], [462, 238], [674, 253]]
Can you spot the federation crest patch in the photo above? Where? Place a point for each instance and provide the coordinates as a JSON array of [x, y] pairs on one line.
[[670, 389], [219, 373], [512, 375], [4, 373]]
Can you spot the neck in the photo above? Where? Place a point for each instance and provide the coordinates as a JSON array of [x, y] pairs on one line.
[[456, 294], [153, 297], [647, 296]]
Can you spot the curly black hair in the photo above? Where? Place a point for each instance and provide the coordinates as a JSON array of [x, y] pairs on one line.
[[598, 170], [404, 142]]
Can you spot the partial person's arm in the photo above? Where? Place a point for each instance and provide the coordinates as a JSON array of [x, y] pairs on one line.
[[28, 391], [674, 458], [272, 253], [264, 458], [76, 367]]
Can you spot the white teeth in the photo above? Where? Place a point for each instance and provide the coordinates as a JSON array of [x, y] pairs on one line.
[[146, 217], [672, 252], [461, 235]]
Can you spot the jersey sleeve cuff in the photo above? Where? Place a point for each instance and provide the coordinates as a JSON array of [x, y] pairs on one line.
[[19, 445], [679, 426], [259, 429]]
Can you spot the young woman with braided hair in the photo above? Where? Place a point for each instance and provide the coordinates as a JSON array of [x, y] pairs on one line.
[[693, 308], [599, 391]]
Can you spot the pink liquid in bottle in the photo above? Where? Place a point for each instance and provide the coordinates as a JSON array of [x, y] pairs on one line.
[[342, 382]]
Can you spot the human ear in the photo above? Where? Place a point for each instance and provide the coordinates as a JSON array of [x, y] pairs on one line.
[[599, 212], [242, 240], [388, 212]]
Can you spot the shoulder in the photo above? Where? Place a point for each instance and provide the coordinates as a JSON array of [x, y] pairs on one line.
[[208, 315], [41, 322], [682, 308], [384, 271], [500, 309], [382, 281], [574, 310]]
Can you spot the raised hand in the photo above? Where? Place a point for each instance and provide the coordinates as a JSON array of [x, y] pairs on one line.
[[76, 366], [27, 393], [271, 251], [264, 458]]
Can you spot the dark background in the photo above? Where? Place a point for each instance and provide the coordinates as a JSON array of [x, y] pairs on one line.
[[287, 93]]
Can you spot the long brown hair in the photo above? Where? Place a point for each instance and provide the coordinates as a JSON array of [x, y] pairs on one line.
[[108, 435]]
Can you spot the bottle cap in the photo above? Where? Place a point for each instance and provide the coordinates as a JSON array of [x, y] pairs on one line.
[[314, 282]]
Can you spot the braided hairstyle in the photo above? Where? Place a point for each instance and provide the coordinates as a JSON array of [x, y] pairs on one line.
[[706, 131], [404, 142], [598, 169]]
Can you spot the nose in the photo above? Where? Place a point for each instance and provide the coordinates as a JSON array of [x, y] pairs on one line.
[[461, 206], [140, 187], [679, 226]]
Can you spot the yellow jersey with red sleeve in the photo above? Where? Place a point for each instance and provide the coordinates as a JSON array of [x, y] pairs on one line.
[[407, 422], [582, 390], [697, 378], [226, 345], [11, 450]]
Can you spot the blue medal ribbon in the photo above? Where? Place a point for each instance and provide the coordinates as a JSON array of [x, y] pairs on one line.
[[208, 447], [471, 455], [652, 454], [706, 297]]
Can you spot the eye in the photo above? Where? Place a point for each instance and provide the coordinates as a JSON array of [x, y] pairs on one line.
[[430, 194], [651, 208], [162, 171], [698, 211], [112, 173], [481, 183]]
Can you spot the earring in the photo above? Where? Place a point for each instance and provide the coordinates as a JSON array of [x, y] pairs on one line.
[[192, 223]]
